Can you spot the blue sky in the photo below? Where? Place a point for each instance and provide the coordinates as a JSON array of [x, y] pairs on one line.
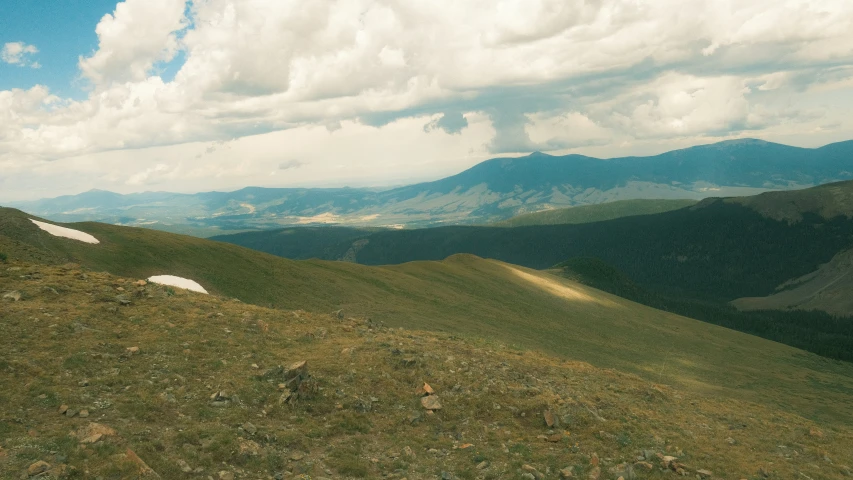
[[62, 30], [173, 95]]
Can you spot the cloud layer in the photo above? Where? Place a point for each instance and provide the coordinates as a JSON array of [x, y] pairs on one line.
[[539, 74]]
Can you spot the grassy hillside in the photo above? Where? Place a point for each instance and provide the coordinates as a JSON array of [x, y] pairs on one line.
[[833, 200], [467, 295], [827, 289], [170, 384], [595, 213]]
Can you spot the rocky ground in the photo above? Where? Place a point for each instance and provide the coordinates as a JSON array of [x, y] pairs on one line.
[[113, 378]]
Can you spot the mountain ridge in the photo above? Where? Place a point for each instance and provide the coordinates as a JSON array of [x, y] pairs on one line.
[[492, 190]]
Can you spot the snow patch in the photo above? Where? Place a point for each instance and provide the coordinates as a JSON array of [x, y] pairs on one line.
[[179, 282], [58, 231]]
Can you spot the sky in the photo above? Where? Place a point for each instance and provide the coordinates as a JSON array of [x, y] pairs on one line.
[[203, 95]]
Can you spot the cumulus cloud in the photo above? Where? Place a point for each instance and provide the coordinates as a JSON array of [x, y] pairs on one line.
[[18, 53], [131, 40], [545, 74]]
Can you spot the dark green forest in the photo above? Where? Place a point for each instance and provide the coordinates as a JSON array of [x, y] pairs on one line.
[[814, 331]]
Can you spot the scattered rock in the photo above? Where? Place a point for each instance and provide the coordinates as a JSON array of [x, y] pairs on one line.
[[532, 471], [250, 428], [184, 466], [84, 413], [132, 350], [528, 476], [219, 399], [554, 438], [248, 448], [71, 413], [297, 456], [92, 430], [566, 472], [704, 473], [407, 451], [431, 402], [141, 283], [593, 460], [815, 432], [427, 390], [12, 296], [550, 419], [731, 441], [39, 467], [63, 409], [122, 300], [483, 465], [94, 438], [339, 314], [226, 475], [143, 468], [595, 473]]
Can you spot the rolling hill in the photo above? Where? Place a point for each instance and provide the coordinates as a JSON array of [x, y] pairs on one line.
[[469, 297], [595, 213], [174, 384], [491, 191]]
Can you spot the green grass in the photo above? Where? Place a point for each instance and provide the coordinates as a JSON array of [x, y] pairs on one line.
[[474, 298], [595, 213]]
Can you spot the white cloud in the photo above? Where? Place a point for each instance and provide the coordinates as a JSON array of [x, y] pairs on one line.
[[549, 74], [18, 53], [131, 40]]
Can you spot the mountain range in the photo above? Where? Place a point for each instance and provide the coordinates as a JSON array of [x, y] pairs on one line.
[[491, 191]]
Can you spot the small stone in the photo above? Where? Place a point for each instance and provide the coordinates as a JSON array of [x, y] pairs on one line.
[[431, 402], [63, 409], [555, 437], [95, 438], [71, 413], [594, 460], [250, 428], [184, 466], [532, 470], [119, 289], [566, 472], [226, 475], [132, 350], [427, 390], [528, 476], [122, 300], [731, 441], [595, 473], [13, 296], [815, 432], [483, 465], [39, 467], [704, 473], [141, 283], [84, 413], [297, 456], [339, 314], [550, 418], [407, 451]]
